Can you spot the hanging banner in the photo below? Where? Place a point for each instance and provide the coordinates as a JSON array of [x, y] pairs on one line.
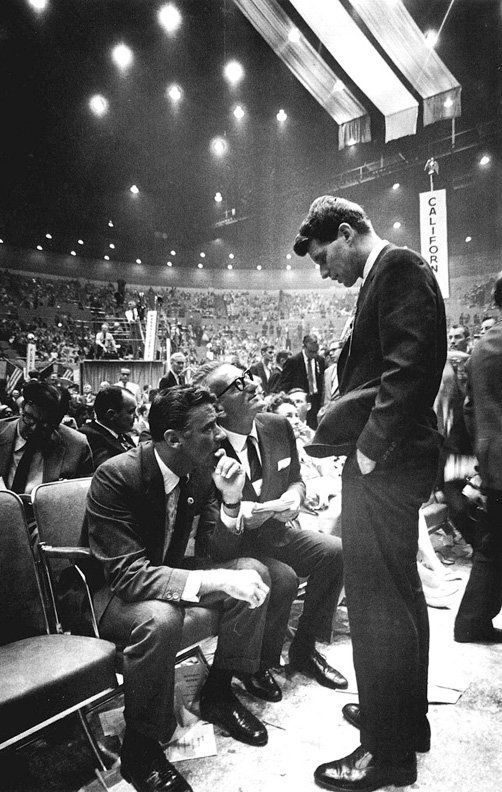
[[434, 236], [31, 353], [150, 335]]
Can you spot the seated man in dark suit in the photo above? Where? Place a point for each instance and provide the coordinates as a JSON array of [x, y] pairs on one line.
[[306, 370], [266, 447], [115, 410], [35, 447], [140, 512], [264, 368]]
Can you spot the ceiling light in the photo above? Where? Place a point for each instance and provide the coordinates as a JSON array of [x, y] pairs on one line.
[[106, 258], [231, 256], [468, 239], [239, 113], [169, 263], [38, 5], [122, 56], [230, 266], [1, 241], [169, 18], [294, 35], [48, 236], [233, 72], [111, 246], [431, 37], [203, 255], [39, 247], [281, 115], [288, 266], [258, 267], [134, 189], [110, 223], [173, 252], [218, 197], [219, 146], [72, 253], [288, 255], [396, 225], [396, 186], [138, 261], [174, 93], [98, 105], [485, 160], [80, 241], [200, 265]]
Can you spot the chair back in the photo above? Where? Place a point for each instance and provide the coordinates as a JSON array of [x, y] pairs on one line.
[[22, 613], [59, 508]]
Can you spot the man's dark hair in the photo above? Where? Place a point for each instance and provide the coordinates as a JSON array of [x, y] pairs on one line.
[[281, 356], [52, 402], [324, 218], [275, 401], [171, 408], [497, 291], [309, 337], [264, 347], [111, 398]]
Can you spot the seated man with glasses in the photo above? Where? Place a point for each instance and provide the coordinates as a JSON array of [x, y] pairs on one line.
[[273, 492], [35, 447]]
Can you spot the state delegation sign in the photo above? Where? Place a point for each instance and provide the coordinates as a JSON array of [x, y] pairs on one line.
[[434, 236]]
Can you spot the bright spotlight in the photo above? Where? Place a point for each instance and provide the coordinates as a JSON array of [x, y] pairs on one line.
[[98, 105], [138, 261], [48, 236], [174, 93], [202, 255], [431, 38], [111, 246], [485, 160], [169, 263], [288, 267], [233, 72], [230, 266], [468, 239], [258, 267], [39, 247], [219, 146], [218, 197], [281, 116], [106, 258], [288, 256], [122, 56], [110, 223], [169, 18], [134, 189], [396, 186], [173, 252], [396, 225], [231, 256], [72, 253], [200, 265], [239, 113], [38, 5]]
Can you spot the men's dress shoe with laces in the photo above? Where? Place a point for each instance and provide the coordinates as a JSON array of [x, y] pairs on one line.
[[262, 685], [352, 714], [361, 771], [157, 775], [316, 666], [232, 716]]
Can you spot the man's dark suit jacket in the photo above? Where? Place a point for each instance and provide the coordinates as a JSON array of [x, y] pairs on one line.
[[484, 387], [398, 343], [103, 444], [294, 375], [280, 467], [67, 456], [125, 529], [169, 380], [258, 369]]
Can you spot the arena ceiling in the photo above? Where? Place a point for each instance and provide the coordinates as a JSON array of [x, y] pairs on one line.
[[67, 172]]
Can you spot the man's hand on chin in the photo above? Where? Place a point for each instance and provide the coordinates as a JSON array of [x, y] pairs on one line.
[[366, 465]]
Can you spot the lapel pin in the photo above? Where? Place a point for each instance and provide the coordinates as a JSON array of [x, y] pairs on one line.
[[190, 501]]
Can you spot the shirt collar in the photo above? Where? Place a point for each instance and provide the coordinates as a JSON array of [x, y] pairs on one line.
[[170, 478], [115, 434], [238, 441], [20, 441], [375, 252]]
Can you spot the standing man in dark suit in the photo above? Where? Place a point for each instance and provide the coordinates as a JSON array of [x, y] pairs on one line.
[[306, 370], [273, 492], [264, 368], [175, 374], [35, 447], [482, 598], [140, 513], [398, 348], [108, 434]]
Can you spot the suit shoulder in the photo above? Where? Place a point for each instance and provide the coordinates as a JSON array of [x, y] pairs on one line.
[[72, 436]]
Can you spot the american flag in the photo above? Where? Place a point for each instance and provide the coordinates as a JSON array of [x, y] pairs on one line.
[[12, 374], [62, 371]]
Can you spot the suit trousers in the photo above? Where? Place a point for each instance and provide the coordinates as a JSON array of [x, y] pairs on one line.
[[290, 553], [386, 607], [482, 598], [150, 634]]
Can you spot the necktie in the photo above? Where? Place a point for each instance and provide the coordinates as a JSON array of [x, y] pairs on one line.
[[176, 515], [23, 468], [125, 442], [255, 471]]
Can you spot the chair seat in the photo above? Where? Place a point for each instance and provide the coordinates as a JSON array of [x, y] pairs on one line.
[[47, 674]]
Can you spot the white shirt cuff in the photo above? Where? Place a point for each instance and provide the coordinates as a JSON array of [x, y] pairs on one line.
[[192, 587], [233, 524]]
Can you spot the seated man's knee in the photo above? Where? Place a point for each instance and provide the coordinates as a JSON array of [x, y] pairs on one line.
[[258, 566], [160, 621], [285, 581]]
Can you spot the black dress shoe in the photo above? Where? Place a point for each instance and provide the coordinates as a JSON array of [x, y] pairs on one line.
[[492, 635], [352, 714], [262, 685], [361, 771], [229, 713], [316, 666], [158, 775]]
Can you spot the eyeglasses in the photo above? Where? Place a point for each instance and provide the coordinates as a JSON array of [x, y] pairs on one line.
[[239, 383], [29, 419]]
